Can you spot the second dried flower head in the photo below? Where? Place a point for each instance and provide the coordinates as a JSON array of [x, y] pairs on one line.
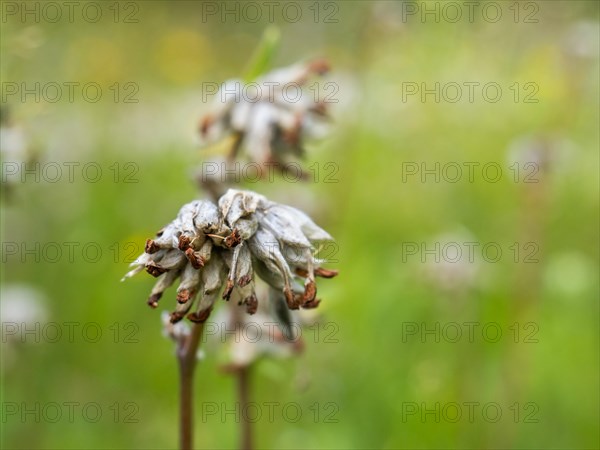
[[271, 116]]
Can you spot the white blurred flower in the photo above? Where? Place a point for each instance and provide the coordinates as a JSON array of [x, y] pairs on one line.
[[21, 303], [582, 39], [22, 307], [13, 144], [456, 266], [14, 151], [175, 331], [538, 153]]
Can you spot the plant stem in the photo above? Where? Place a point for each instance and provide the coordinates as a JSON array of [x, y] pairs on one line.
[[243, 378], [186, 356], [263, 54]]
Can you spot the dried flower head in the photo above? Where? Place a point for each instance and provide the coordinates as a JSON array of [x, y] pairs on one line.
[[269, 117], [216, 250]]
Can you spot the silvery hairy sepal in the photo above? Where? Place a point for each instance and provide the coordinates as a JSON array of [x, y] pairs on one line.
[[270, 117], [216, 250]]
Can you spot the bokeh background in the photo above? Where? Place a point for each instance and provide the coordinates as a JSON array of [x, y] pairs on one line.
[[374, 371]]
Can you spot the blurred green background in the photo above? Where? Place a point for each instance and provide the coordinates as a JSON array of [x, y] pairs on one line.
[[377, 371]]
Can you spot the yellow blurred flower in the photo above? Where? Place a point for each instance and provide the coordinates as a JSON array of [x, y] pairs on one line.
[[183, 55]]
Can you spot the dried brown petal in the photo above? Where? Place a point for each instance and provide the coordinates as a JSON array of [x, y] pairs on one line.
[[199, 316], [326, 273], [151, 246], [320, 272], [154, 269], [293, 301], [310, 291], [194, 258], [251, 303], [184, 295], [153, 300], [319, 66], [184, 242], [312, 304], [205, 124], [243, 281], [233, 239], [228, 289], [176, 316]]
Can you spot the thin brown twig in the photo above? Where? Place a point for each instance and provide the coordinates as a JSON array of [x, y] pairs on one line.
[[186, 356], [243, 378]]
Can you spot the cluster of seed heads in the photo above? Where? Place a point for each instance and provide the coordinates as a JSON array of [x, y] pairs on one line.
[[216, 250], [270, 124]]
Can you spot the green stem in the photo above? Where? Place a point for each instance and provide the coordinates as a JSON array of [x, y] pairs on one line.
[[263, 55]]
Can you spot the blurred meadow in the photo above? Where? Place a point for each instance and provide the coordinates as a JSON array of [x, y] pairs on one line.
[[404, 351]]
